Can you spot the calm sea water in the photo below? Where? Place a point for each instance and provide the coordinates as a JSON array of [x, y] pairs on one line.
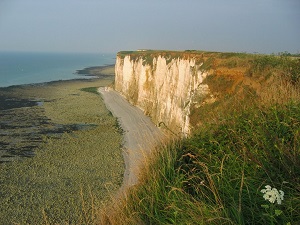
[[27, 68]]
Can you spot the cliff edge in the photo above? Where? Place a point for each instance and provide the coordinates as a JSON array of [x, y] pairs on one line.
[[177, 88], [162, 85]]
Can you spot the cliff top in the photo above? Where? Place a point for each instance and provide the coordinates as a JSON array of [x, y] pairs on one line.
[[239, 75]]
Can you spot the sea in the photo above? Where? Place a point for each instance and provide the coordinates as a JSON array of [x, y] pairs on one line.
[[17, 68]]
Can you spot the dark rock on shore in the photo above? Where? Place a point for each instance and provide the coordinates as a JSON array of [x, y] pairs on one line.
[[99, 71]]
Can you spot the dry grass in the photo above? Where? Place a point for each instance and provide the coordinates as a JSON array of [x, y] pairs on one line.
[[279, 91]]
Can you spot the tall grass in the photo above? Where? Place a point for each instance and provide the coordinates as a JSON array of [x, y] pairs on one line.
[[216, 175], [286, 66]]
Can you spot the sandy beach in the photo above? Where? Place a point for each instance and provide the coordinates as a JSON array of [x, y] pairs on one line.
[[65, 151]]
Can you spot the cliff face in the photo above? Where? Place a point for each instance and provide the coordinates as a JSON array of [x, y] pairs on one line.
[[164, 88]]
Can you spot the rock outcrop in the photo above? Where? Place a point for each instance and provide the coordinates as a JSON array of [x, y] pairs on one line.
[[163, 87]]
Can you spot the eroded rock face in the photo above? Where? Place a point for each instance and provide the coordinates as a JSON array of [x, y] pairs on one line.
[[164, 89]]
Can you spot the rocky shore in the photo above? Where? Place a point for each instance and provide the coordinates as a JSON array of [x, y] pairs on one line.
[[99, 71], [59, 148]]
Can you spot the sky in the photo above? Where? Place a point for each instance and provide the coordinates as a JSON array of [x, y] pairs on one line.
[[109, 26]]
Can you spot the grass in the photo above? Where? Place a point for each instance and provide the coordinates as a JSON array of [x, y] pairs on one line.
[[215, 177], [149, 55], [93, 90], [249, 138], [287, 66]]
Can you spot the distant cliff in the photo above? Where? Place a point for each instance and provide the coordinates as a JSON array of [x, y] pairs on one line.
[[163, 84]]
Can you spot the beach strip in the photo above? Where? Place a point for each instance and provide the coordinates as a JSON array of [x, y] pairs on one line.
[[76, 152]]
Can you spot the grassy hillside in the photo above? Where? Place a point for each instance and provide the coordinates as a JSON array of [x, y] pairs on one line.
[[245, 143]]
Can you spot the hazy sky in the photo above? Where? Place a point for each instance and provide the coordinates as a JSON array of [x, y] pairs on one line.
[[265, 26]]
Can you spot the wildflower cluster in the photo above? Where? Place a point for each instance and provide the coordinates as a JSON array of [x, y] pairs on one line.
[[272, 194]]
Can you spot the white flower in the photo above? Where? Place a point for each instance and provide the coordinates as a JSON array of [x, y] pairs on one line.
[[272, 194]]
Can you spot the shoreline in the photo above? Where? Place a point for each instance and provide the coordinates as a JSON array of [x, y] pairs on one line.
[[14, 97], [8, 99], [91, 73], [76, 144]]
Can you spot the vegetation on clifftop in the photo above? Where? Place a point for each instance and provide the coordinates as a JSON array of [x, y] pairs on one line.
[[245, 143]]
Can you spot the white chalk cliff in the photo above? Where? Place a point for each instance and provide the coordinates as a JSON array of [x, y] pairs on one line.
[[163, 88]]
